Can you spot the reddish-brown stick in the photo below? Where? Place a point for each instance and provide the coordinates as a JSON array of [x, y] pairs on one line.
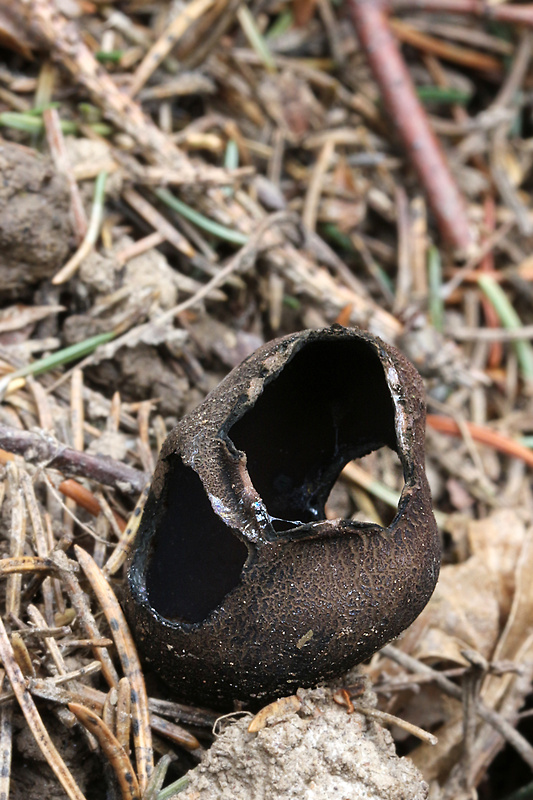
[[501, 13], [483, 435], [370, 21]]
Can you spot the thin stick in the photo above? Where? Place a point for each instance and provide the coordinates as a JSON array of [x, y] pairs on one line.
[[129, 660], [483, 435], [97, 213], [158, 222], [87, 500], [139, 247], [396, 86], [125, 543], [9, 566], [6, 745], [17, 536], [491, 334], [312, 198], [115, 753], [390, 719], [450, 52], [503, 727], [39, 448], [33, 718], [58, 150], [39, 541], [80, 602], [502, 13], [166, 42]]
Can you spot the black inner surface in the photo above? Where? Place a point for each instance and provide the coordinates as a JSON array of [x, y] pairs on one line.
[[330, 404], [196, 559]]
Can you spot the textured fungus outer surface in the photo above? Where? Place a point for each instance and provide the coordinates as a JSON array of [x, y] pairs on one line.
[[239, 588], [317, 753]]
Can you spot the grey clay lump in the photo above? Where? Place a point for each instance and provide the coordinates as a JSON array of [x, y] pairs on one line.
[[239, 588]]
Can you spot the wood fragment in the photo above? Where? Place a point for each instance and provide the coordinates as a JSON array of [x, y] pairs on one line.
[[125, 543], [504, 12], [22, 656], [114, 752], [17, 536], [437, 47], [310, 211], [33, 718], [483, 435], [390, 72], [6, 744], [80, 603], [161, 225], [176, 733], [520, 744], [130, 663], [123, 714], [37, 448], [58, 150], [166, 42], [273, 711]]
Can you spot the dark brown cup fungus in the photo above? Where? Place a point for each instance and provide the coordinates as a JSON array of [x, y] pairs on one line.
[[239, 588]]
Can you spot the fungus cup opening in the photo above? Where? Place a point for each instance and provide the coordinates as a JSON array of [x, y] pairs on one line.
[[329, 404], [196, 558]]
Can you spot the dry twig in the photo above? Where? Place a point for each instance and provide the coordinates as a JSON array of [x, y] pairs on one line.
[[372, 28]]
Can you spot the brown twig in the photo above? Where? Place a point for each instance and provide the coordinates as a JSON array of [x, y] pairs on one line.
[[63, 39], [371, 24], [158, 222], [40, 448], [113, 750], [58, 150], [125, 543], [17, 536], [483, 435], [6, 744], [80, 603], [11, 566], [87, 500], [503, 727], [129, 660], [166, 42], [522, 14], [33, 718], [449, 52]]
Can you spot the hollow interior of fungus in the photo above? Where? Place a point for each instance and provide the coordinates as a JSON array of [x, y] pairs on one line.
[[196, 559], [329, 405]]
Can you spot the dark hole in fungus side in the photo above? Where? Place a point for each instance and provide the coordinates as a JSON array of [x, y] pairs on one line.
[[196, 559], [329, 405]]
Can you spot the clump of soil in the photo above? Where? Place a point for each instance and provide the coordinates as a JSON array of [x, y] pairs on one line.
[[317, 752], [35, 225]]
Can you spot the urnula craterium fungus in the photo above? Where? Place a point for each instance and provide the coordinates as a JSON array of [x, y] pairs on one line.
[[239, 588]]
